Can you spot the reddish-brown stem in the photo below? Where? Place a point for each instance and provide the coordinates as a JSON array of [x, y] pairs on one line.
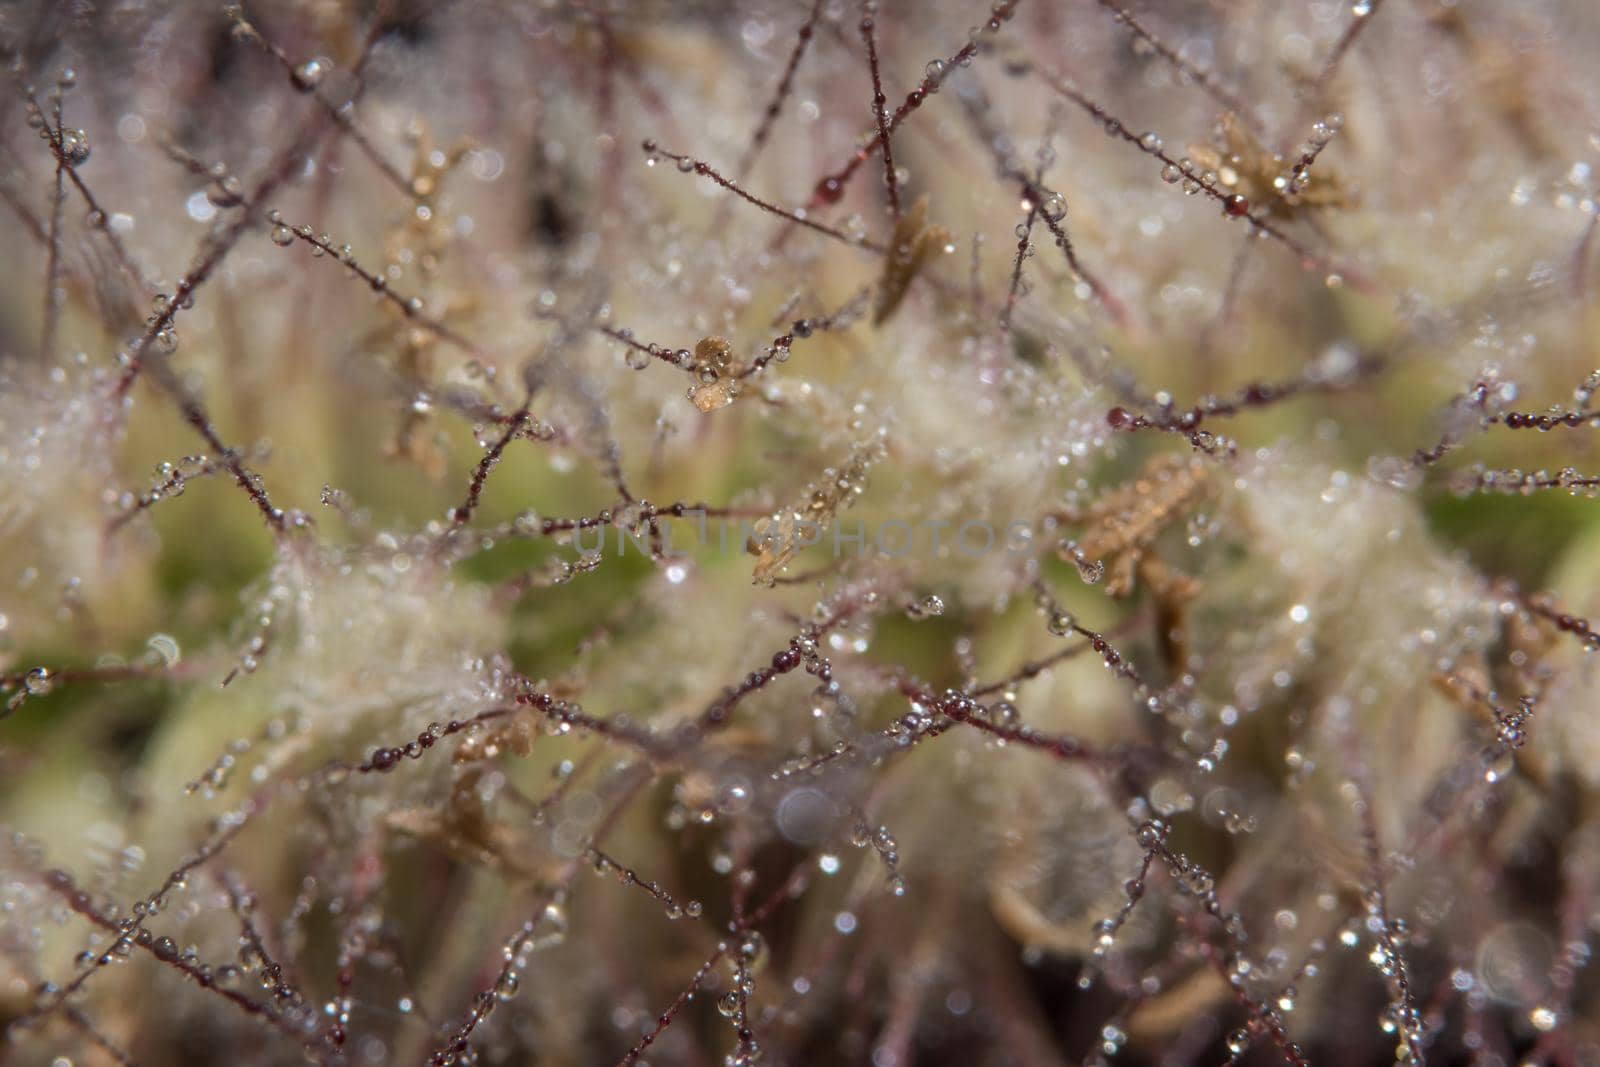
[[651, 349], [15, 683], [173, 482], [1393, 959], [665, 1019], [603, 863], [52, 262], [830, 187], [962, 708], [338, 113], [769, 118], [803, 328], [61, 883], [1546, 608], [1230, 201], [411, 307], [197, 419], [127, 932], [97, 218], [86, 1027], [242, 901], [1024, 246], [462, 513], [460, 1039], [1367, 10], [1063, 242], [1030, 670], [879, 105], [1556, 420], [215, 251], [705, 170], [1202, 77]]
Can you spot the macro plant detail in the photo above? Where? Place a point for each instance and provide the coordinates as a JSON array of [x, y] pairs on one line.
[[799, 531]]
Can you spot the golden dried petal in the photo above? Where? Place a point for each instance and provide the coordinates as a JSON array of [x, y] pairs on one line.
[[913, 243], [775, 540], [714, 352], [712, 395]]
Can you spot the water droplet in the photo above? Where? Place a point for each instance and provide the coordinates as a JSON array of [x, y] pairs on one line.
[[165, 648], [1394, 471], [75, 146], [225, 192], [308, 75], [38, 681], [282, 236]]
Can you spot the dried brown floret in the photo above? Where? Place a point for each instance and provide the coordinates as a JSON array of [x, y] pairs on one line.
[[1244, 166], [913, 244], [514, 734], [775, 540], [464, 830], [713, 367], [1124, 522]]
